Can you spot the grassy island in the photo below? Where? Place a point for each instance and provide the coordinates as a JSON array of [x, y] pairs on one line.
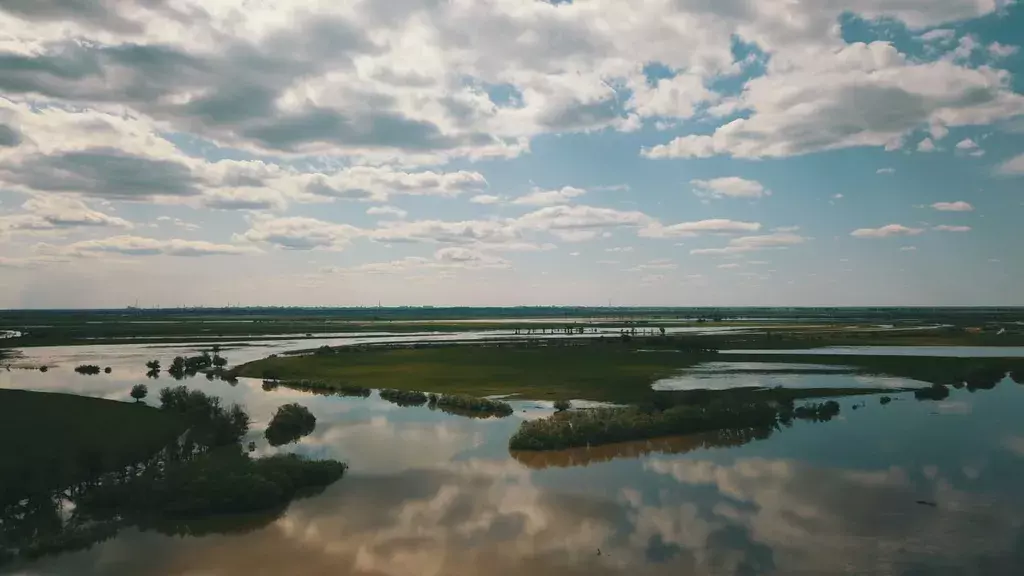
[[608, 371]]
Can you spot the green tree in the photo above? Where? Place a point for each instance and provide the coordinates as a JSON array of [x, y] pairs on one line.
[[219, 361], [139, 391], [153, 365], [562, 405], [290, 422]]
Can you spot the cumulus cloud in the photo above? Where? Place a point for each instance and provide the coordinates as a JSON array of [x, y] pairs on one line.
[[729, 187], [300, 233], [540, 197], [581, 217], [485, 199], [1012, 167], [685, 229], [754, 243], [886, 231], [386, 211], [859, 95], [444, 259], [958, 206], [139, 246], [49, 213]]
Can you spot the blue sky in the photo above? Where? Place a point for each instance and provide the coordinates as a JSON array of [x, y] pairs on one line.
[[506, 152]]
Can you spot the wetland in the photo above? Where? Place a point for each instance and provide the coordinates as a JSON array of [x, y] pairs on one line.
[[674, 455]]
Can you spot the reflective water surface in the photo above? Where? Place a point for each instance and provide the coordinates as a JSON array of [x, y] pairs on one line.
[[907, 488]]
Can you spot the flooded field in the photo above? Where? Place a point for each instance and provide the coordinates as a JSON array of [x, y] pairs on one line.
[[904, 488]]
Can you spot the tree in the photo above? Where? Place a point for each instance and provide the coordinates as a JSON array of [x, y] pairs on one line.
[[153, 365], [139, 391], [290, 422], [562, 405], [219, 361]]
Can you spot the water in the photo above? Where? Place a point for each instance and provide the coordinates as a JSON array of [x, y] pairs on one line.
[[432, 494], [245, 351], [943, 351], [726, 375]]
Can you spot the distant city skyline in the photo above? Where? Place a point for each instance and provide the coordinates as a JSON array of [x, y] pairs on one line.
[[506, 153]]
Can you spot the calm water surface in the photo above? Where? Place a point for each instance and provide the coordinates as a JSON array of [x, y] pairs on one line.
[[432, 494]]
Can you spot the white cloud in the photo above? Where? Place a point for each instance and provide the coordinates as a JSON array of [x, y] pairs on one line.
[[970, 147], [1012, 167], [732, 187], [997, 50], [656, 264], [714, 225], [300, 233], [729, 266], [886, 231], [948, 228], [908, 248], [386, 211], [958, 206], [580, 217], [859, 95], [926, 145], [619, 249], [445, 259], [58, 213], [138, 246], [549, 197], [755, 243], [485, 199], [939, 35], [885, 171]]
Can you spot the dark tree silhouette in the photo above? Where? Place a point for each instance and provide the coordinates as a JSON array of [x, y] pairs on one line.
[[139, 392], [290, 422]]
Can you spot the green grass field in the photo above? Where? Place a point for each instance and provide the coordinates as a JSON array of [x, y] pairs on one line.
[[608, 372], [56, 440]]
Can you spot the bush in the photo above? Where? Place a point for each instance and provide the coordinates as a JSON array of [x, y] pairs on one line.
[[290, 422], [88, 369], [210, 424], [608, 425], [562, 405], [464, 402], [403, 397]]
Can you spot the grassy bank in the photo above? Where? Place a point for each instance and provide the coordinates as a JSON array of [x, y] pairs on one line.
[[609, 372], [56, 440], [971, 372]]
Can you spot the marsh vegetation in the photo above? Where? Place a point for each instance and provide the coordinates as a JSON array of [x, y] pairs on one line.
[[121, 464]]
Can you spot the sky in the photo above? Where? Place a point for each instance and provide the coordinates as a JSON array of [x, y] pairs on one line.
[[511, 152]]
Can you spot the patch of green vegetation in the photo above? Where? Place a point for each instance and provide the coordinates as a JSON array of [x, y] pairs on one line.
[[290, 423], [974, 373], [195, 469], [599, 426], [62, 439], [608, 371], [320, 388], [541, 459], [464, 403], [404, 397]]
